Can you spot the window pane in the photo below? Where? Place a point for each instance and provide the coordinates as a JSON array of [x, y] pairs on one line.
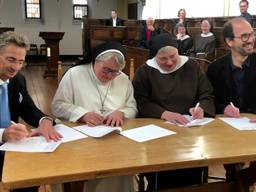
[[33, 8], [80, 11]]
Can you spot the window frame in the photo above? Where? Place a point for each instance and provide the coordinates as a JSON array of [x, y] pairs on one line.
[[79, 5], [40, 10]]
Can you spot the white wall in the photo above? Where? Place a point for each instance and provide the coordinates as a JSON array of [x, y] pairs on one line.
[[58, 17]]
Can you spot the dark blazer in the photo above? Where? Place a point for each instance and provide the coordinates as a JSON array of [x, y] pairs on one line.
[[220, 75], [119, 22], [21, 104], [143, 36]]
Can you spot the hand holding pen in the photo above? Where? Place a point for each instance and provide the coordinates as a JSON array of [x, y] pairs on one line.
[[15, 132], [231, 111], [197, 112]]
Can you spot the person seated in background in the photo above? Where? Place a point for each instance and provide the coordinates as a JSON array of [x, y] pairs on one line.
[[205, 42], [15, 101], [166, 87], [114, 20], [98, 93], [233, 78], [185, 42], [243, 5], [147, 32], [182, 18]]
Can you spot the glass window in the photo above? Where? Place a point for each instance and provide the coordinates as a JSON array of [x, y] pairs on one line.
[[33, 9], [80, 9]]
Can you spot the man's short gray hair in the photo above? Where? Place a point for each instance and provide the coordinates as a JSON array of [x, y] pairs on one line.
[[11, 37], [118, 58]]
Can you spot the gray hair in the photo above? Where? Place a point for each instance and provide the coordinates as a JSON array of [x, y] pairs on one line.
[[165, 49], [11, 37], [108, 55]]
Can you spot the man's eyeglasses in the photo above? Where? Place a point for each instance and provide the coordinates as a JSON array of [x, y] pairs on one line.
[[12, 60], [245, 37], [107, 70]]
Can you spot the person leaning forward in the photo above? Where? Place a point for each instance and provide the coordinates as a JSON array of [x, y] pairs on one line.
[[98, 93], [166, 87], [15, 100], [233, 78]]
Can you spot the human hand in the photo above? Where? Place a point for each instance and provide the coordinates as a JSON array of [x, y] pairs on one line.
[[196, 112], [115, 118], [231, 111], [14, 133], [46, 129], [92, 119], [176, 118]]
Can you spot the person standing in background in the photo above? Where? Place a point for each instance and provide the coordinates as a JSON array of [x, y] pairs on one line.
[[243, 5], [147, 32]]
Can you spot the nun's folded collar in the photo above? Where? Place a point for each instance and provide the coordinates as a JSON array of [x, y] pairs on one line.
[[153, 63]]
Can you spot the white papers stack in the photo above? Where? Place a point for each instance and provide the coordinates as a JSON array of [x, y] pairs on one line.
[[31, 144], [68, 134], [194, 122], [97, 131], [242, 123], [146, 133]]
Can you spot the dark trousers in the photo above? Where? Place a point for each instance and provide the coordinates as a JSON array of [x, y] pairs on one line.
[[29, 189], [175, 178], [232, 171]]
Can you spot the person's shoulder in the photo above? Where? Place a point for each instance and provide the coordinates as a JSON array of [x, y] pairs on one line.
[[18, 78], [220, 62]]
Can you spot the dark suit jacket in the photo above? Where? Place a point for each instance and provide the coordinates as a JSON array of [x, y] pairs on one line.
[[143, 36], [220, 75], [119, 22], [21, 104]]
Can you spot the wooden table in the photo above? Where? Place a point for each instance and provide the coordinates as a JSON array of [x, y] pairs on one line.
[[113, 155]]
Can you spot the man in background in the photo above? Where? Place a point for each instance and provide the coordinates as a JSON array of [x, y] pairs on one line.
[[114, 20], [243, 5]]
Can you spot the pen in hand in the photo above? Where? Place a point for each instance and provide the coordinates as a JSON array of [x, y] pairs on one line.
[[196, 107], [13, 123], [235, 111], [196, 112]]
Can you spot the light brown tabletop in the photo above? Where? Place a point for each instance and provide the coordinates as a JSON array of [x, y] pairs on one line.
[[114, 154]]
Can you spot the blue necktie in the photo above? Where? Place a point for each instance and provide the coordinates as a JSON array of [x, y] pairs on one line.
[[5, 120]]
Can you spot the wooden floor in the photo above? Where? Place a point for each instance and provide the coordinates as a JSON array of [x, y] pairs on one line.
[[42, 91]]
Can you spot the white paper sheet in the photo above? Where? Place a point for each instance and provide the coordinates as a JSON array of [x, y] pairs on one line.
[[242, 123], [194, 122], [31, 144], [68, 134], [146, 133], [97, 131]]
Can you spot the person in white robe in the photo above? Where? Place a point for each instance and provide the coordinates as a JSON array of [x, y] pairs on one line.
[[98, 93]]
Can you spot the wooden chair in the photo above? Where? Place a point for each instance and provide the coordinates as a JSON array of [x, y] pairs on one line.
[[33, 50], [203, 63], [43, 49], [59, 71], [131, 74]]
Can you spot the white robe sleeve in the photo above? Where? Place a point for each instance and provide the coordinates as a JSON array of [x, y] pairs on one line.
[[130, 106], [63, 101]]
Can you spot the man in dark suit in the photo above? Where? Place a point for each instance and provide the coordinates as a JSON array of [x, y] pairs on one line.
[[114, 20], [233, 77], [15, 101]]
